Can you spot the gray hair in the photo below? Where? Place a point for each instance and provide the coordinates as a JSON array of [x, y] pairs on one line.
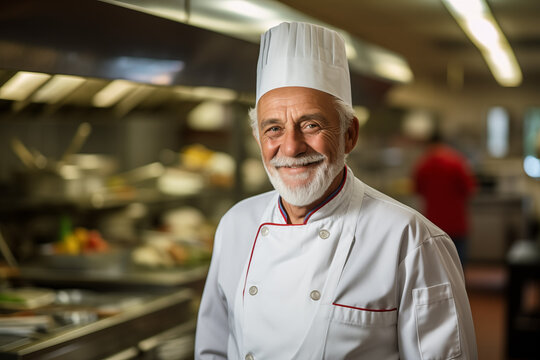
[[345, 112]]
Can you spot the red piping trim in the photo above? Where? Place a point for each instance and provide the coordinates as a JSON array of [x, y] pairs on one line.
[[305, 222], [250, 257], [363, 309], [253, 249]]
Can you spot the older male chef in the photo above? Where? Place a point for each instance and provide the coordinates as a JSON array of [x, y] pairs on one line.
[[325, 267]]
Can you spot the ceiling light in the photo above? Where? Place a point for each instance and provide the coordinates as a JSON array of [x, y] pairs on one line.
[[220, 94], [466, 7], [131, 100], [206, 93], [22, 84], [185, 92], [112, 93], [57, 88], [484, 32], [393, 70], [502, 66], [476, 20], [247, 9]]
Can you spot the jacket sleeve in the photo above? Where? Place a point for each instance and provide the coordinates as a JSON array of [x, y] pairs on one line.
[[212, 325], [435, 320]]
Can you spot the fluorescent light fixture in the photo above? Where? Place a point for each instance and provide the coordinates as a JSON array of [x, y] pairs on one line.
[[390, 67], [112, 93], [131, 100], [22, 84], [184, 92], [476, 20], [247, 9], [58, 87], [206, 93], [375, 60], [220, 94], [484, 32], [465, 7]]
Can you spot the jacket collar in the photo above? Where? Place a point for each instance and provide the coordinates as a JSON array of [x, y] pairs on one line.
[[325, 208]]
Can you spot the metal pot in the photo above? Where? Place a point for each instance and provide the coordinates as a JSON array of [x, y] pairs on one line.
[[75, 179]]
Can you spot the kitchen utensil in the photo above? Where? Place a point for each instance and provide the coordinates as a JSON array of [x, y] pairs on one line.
[[23, 153], [82, 133], [77, 178], [146, 172]]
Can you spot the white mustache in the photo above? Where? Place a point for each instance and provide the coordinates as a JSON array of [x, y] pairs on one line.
[[300, 161]]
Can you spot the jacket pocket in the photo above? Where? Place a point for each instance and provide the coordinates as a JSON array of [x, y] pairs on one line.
[[356, 333], [437, 322], [363, 317]]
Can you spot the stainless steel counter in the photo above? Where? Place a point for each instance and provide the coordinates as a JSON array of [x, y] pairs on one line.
[[126, 334]]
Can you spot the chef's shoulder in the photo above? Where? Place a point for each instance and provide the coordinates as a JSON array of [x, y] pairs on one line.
[[248, 210], [397, 221]]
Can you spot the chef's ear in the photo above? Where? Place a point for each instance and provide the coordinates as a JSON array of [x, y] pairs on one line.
[[254, 124], [255, 133], [351, 135]]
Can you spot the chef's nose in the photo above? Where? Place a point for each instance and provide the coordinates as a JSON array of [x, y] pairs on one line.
[[293, 143]]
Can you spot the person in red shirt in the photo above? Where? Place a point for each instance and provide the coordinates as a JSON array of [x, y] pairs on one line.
[[445, 182]]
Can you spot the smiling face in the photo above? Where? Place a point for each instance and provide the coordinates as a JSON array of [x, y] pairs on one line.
[[302, 144]]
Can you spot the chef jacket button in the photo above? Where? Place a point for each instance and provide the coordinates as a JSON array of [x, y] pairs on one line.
[[324, 234], [264, 231], [249, 356], [315, 295], [253, 290]]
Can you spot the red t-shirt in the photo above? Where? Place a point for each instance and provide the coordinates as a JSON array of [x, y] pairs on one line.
[[445, 182]]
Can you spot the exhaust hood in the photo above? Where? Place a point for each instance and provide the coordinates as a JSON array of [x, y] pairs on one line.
[[162, 43], [96, 39], [248, 19]]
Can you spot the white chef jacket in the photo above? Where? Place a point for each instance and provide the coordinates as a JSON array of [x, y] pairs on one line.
[[365, 277]]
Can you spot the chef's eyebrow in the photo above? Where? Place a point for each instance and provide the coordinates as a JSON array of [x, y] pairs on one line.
[[268, 122], [314, 116], [306, 117]]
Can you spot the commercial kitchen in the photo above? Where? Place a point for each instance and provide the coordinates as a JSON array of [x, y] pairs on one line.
[[125, 137]]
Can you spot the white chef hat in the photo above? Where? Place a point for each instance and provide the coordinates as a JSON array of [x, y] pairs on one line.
[[307, 55]]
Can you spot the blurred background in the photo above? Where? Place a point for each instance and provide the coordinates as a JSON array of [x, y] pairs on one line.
[[124, 138]]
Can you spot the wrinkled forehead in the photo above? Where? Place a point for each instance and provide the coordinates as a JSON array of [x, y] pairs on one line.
[[295, 102]]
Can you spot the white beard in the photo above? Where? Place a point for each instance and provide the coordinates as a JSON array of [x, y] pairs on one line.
[[302, 195]]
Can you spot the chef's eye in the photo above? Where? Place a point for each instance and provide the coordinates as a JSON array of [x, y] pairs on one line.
[[273, 129], [311, 127]]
